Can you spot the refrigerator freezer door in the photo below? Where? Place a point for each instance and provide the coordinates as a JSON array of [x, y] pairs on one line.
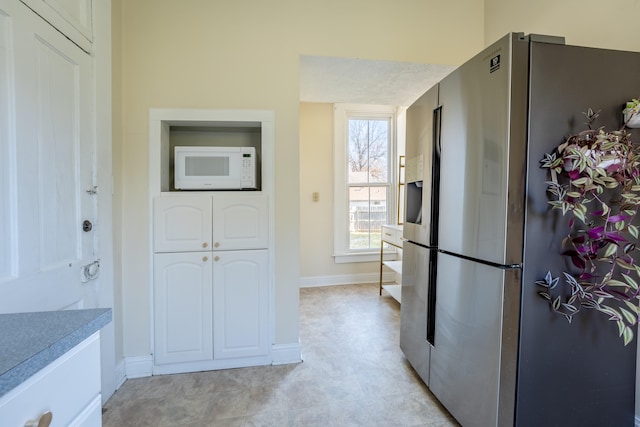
[[413, 310], [483, 150], [419, 148], [473, 362], [557, 358]]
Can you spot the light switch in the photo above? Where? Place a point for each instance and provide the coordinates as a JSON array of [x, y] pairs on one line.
[[316, 196]]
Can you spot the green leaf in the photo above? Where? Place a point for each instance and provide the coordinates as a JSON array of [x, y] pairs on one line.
[[570, 308], [633, 230], [614, 282], [627, 335], [611, 249], [545, 295], [580, 181], [633, 307], [630, 281], [556, 304], [621, 327], [630, 318], [622, 263]]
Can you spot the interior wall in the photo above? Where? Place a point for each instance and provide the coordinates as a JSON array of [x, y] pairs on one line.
[[591, 23], [116, 156], [316, 175], [245, 54]]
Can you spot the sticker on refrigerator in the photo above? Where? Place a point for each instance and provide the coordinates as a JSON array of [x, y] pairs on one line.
[[494, 64]]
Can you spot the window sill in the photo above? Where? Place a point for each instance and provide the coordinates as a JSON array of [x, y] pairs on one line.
[[364, 257]]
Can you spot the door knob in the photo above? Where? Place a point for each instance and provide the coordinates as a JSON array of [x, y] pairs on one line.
[[43, 420]]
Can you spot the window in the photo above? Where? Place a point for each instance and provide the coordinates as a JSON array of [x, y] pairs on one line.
[[364, 183]]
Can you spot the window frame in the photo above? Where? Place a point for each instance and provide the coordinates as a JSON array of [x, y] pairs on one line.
[[342, 114]]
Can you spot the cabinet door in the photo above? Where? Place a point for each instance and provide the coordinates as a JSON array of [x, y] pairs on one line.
[[182, 304], [241, 304], [71, 17], [240, 222], [182, 224]]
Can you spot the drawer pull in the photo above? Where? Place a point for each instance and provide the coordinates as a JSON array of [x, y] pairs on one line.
[[43, 420], [205, 244], [216, 244]]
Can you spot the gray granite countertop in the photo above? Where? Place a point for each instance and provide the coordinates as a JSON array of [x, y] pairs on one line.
[[30, 341]]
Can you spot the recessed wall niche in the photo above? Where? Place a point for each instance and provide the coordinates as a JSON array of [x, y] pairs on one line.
[[201, 128]]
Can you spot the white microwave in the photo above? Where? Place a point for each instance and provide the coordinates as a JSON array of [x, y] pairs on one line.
[[214, 168]]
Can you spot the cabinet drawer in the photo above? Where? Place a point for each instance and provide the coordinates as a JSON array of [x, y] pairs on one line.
[[392, 234], [65, 388]]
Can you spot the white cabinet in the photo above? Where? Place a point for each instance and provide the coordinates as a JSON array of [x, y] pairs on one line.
[[240, 222], [69, 388], [182, 299], [182, 224], [240, 303], [211, 282], [219, 222]]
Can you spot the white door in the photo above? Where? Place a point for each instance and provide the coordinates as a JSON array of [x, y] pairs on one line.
[[240, 304], [47, 154], [182, 293]]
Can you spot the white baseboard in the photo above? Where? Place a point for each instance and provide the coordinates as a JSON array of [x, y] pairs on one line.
[[282, 354], [346, 279], [138, 367]]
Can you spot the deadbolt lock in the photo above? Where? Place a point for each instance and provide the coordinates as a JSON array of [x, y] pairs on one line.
[[86, 225]]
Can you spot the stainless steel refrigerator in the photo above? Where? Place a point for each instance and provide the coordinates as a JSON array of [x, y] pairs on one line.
[[419, 249], [496, 354]]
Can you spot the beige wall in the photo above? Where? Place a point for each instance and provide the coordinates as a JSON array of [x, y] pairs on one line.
[[316, 218], [592, 23], [116, 123], [244, 54]]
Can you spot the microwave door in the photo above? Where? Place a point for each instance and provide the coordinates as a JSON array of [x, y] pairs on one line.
[[215, 168], [207, 170], [203, 166]]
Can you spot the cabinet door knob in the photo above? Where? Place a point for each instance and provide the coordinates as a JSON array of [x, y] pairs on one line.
[[205, 244], [216, 244], [43, 420], [217, 258], [205, 259]]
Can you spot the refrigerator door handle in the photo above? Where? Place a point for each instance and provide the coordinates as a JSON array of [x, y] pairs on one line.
[[435, 176], [431, 297], [433, 236]]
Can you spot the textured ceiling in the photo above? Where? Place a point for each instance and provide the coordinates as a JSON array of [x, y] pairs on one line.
[[348, 80]]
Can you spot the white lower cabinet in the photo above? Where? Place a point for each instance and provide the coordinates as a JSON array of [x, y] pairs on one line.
[[211, 310], [240, 304], [182, 301], [68, 388]]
